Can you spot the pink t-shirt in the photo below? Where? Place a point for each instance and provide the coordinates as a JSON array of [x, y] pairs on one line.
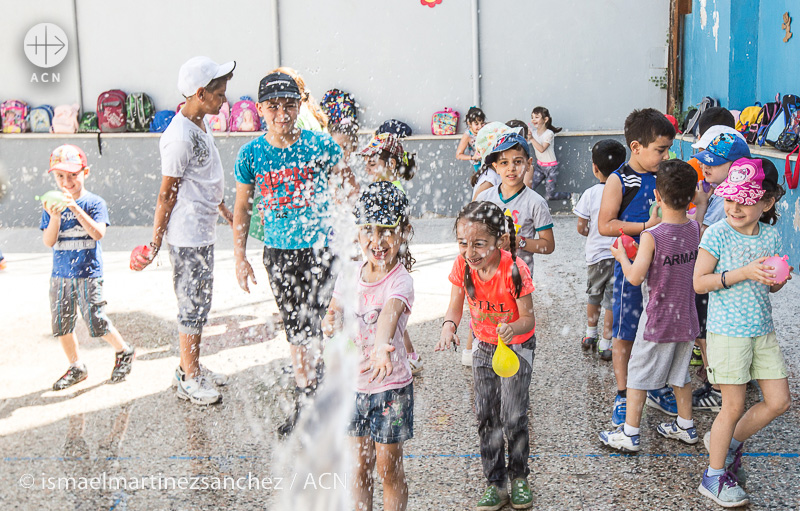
[[371, 298]]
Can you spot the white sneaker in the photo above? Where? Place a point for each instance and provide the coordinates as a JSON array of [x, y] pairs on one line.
[[217, 379], [466, 357], [197, 390], [672, 430], [416, 364]]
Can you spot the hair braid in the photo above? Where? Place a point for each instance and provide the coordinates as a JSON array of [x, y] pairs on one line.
[[512, 237]]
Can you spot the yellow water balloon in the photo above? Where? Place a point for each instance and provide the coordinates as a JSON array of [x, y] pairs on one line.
[[504, 362]]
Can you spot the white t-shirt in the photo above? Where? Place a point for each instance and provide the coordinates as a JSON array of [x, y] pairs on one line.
[[190, 154], [545, 138], [588, 208]]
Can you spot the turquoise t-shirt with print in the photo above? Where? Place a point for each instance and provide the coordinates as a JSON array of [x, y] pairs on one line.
[[292, 183], [744, 310]]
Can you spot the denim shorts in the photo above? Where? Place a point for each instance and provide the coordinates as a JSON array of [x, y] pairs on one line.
[[387, 417]]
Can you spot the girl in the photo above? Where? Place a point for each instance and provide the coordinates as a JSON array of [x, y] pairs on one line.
[[386, 161], [741, 343], [345, 134], [476, 120], [498, 291], [384, 413], [545, 168], [486, 177]]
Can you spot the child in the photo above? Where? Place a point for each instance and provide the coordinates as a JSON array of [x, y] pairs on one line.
[[486, 177], [384, 414], [311, 116], [465, 151], [607, 156], [345, 134], [498, 291], [741, 343], [387, 162], [666, 257], [289, 169], [627, 196], [189, 203], [74, 231], [545, 168]]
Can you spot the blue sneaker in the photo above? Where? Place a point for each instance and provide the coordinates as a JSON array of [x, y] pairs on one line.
[[733, 460], [724, 490], [672, 430], [618, 440], [664, 400], [620, 409]]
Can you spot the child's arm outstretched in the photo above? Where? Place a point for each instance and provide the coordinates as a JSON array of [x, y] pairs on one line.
[[451, 320], [380, 361], [525, 323], [705, 280], [636, 272], [608, 222]]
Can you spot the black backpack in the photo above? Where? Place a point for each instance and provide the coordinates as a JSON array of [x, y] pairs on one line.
[[692, 125], [395, 127], [780, 122]]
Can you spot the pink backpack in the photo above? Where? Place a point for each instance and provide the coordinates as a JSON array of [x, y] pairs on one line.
[[111, 111], [65, 119], [219, 122], [244, 116], [15, 116], [445, 122]]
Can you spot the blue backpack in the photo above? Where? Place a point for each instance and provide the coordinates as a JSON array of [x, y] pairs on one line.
[[161, 120], [40, 119], [769, 134]]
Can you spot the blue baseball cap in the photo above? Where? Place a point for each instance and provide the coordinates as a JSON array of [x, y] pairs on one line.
[[725, 148], [506, 142]]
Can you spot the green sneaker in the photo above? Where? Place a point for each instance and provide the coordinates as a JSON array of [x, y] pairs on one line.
[[493, 499], [521, 496], [697, 357]]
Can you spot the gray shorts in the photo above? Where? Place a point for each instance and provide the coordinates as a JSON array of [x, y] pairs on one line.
[[600, 283], [655, 364], [88, 295], [193, 281]]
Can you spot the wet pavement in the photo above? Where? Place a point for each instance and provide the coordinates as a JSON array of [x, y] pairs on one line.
[[134, 445]]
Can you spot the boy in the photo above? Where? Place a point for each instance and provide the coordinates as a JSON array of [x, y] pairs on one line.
[[74, 230], [627, 196], [510, 158], [189, 202], [666, 257], [289, 169], [607, 156]]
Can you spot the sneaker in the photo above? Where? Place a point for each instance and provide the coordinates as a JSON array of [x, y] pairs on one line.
[[301, 398], [493, 499], [605, 354], [672, 430], [521, 496], [122, 364], [724, 490], [588, 343], [466, 357], [707, 399], [197, 390], [664, 400], [733, 460], [618, 440], [620, 409], [217, 379], [697, 356], [415, 363], [71, 377]]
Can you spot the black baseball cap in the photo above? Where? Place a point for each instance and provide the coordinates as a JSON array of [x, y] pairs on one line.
[[382, 204], [278, 85]]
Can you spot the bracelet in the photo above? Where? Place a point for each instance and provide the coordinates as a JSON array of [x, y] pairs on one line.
[[644, 226], [155, 248], [446, 321], [724, 284]]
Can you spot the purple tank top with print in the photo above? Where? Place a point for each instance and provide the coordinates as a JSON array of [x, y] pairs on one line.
[[671, 311]]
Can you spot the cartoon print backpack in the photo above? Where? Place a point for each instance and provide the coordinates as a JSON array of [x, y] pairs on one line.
[[40, 119], [244, 115], [140, 111], [15, 116], [789, 139], [339, 105], [88, 123], [161, 120], [747, 117], [445, 122], [111, 116], [780, 122], [65, 119], [219, 122]]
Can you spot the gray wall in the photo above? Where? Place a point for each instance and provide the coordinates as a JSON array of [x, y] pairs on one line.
[[588, 61], [127, 175]]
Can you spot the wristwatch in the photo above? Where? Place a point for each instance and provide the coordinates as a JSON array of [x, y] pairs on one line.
[[522, 242]]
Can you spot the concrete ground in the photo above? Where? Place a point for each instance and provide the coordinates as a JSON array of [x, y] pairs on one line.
[[72, 449]]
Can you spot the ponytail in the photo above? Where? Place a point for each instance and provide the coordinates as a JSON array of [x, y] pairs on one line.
[[540, 110]]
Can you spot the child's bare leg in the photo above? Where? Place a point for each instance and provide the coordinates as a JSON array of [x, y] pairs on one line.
[[635, 405], [190, 354], [391, 472], [115, 339], [407, 342], [608, 324], [683, 395], [364, 459], [69, 343], [777, 399], [592, 315], [620, 355], [725, 424], [304, 363]]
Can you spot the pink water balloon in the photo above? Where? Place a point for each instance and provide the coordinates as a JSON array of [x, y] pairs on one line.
[[781, 266]]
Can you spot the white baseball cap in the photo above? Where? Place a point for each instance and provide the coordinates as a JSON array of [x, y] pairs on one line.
[[198, 72], [712, 133]]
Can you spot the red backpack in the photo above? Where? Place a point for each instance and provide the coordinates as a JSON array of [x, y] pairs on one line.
[[111, 116]]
